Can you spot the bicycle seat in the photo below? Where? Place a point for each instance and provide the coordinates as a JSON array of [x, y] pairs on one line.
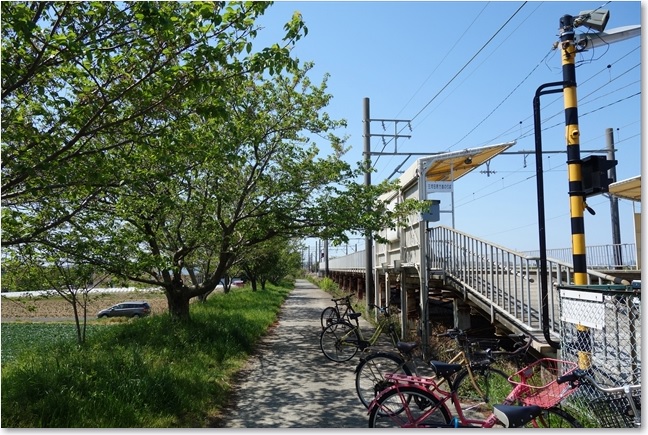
[[445, 369], [516, 416], [354, 316], [406, 346]]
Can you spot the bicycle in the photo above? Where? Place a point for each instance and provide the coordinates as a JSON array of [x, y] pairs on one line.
[[616, 406], [413, 401], [340, 341], [334, 314], [478, 383]]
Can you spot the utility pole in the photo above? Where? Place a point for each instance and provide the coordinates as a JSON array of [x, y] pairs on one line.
[[576, 196], [614, 202], [366, 134], [596, 20], [371, 296], [326, 259]]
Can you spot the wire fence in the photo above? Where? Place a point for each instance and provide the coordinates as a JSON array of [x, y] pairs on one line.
[[601, 332]]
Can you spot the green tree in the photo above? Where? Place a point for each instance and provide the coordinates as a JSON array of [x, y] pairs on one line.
[[271, 262], [176, 149], [31, 269], [214, 187], [85, 82]]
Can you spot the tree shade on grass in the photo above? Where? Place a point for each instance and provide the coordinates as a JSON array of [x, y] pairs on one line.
[[154, 372]]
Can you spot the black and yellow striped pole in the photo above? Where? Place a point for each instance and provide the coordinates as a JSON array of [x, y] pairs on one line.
[[577, 203]]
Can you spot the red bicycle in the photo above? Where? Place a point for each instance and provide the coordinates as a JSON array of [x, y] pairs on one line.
[[414, 401]]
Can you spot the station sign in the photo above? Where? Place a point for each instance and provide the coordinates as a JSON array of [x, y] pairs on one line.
[[438, 186]]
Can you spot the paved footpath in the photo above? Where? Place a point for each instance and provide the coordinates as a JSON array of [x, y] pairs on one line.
[[289, 382]]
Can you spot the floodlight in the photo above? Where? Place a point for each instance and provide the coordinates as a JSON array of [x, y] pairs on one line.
[[596, 19]]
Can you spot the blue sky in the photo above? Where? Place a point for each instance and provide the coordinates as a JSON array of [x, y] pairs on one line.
[[465, 74]]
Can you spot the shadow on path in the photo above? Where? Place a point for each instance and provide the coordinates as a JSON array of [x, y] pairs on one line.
[[289, 382]]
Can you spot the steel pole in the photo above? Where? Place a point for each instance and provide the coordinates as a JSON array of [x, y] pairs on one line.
[[614, 203], [574, 170], [367, 181]]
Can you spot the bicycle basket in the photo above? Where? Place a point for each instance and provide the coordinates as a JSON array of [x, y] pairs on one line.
[[536, 383], [614, 410]]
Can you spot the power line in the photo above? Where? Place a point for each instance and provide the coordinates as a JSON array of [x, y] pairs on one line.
[[523, 134], [458, 73], [469, 61], [501, 102], [528, 132], [442, 60]]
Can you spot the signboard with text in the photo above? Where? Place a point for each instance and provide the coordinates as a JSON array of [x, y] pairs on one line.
[[438, 186]]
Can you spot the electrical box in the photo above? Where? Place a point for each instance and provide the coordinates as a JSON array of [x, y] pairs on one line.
[[594, 171], [434, 213]]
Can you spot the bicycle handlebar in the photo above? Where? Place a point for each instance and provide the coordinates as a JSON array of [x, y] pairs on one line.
[[383, 310], [343, 298], [459, 334], [576, 377]]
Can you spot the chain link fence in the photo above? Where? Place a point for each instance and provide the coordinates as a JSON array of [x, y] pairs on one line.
[[601, 332]]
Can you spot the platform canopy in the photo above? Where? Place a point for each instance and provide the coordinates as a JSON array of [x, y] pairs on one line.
[[627, 189], [453, 165]]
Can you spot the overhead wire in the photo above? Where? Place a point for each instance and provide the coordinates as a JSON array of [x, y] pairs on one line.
[[450, 50], [457, 74], [594, 92], [505, 39], [469, 61], [520, 123], [529, 131]]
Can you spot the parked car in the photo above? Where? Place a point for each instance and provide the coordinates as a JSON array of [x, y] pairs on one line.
[[127, 309], [237, 282]]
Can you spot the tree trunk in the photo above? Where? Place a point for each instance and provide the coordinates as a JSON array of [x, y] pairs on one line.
[[203, 297], [178, 301]]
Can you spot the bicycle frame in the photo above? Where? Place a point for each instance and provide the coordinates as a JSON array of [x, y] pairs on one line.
[[347, 307], [384, 322], [462, 357], [442, 395], [433, 387]]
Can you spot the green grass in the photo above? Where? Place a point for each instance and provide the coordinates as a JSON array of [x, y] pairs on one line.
[[20, 337], [154, 372]]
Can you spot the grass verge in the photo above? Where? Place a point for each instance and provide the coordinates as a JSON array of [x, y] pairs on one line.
[[152, 372]]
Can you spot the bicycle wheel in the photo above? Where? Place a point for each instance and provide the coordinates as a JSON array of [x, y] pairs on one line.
[[554, 418], [370, 379], [492, 388], [408, 406], [329, 315], [339, 341]]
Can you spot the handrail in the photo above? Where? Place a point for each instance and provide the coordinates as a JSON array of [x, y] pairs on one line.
[[506, 280]]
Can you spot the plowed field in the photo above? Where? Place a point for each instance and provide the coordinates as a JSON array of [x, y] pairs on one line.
[[51, 308]]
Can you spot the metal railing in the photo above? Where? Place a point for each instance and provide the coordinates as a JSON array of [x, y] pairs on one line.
[[609, 257], [349, 263], [508, 282]]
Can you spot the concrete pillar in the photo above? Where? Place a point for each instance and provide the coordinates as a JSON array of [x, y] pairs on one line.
[[461, 314]]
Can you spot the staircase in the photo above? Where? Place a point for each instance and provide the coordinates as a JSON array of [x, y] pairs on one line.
[[504, 285]]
